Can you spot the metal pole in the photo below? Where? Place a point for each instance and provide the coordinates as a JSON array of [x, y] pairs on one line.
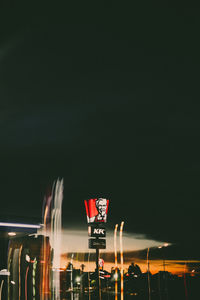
[[89, 277], [149, 287], [115, 248], [122, 262], [97, 271], [71, 275], [159, 289], [185, 283]]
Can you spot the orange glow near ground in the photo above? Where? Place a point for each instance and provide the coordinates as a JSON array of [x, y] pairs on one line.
[[173, 266]]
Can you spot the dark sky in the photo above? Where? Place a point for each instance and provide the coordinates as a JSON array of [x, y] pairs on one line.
[[106, 95]]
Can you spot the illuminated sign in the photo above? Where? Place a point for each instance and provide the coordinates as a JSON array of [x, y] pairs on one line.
[[101, 262], [97, 243], [96, 231], [96, 210]]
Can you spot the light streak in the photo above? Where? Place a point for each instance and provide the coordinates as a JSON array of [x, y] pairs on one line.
[[33, 280], [55, 238], [26, 282], [115, 248], [19, 225], [122, 261], [20, 253], [2, 282], [44, 275], [9, 263]]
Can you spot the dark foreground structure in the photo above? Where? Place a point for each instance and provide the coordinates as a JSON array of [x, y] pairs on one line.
[[29, 265]]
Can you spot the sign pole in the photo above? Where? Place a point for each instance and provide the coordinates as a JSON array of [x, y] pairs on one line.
[[116, 271], [96, 211], [97, 270]]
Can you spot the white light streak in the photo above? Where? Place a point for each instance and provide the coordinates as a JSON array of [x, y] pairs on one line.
[[19, 225]]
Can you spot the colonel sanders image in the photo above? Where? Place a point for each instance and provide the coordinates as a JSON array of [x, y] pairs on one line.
[[101, 205]]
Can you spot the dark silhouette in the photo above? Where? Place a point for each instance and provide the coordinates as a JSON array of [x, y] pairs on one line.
[[134, 269]]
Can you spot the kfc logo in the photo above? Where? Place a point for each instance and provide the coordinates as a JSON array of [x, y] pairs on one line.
[[96, 210], [99, 231]]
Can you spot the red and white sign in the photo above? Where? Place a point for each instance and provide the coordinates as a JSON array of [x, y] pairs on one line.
[[96, 210], [101, 262]]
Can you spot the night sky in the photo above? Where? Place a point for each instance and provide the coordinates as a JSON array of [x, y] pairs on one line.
[[105, 95]]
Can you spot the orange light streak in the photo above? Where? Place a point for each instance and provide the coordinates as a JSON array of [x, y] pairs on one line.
[[115, 248], [44, 279], [26, 282], [122, 261]]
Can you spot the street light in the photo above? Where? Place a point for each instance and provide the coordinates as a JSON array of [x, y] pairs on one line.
[[11, 233], [78, 279]]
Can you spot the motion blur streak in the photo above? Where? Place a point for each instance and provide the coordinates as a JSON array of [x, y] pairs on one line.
[[34, 260], [1, 286], [34, 269], [55, 238], [44, 266], [122, 261], [4, 224], [9, 263], [26, 283], [115, 248], [20, 253], [52, 210]]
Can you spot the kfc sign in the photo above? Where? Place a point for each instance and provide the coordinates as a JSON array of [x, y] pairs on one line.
[[96, 231], [96, 210], [100, 231]]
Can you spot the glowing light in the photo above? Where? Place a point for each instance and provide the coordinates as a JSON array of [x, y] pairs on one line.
[[78, 279], [28, 258], [12, 282], [19, 225], [4, 272], [164, 245], [11, 233]]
